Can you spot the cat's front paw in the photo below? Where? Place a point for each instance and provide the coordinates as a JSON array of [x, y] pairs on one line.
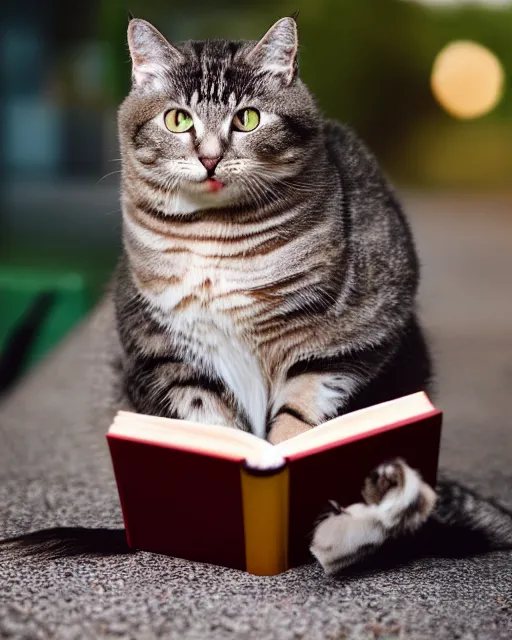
[[344, 536], [404, 499], [397, 501], [285, 427], [387, 476]]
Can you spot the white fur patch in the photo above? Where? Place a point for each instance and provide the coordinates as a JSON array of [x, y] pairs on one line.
[[330, 399], [210, 146], [182, 204], [241, 371], [396, 501], [339, 538], [194, 99], [221, 348]]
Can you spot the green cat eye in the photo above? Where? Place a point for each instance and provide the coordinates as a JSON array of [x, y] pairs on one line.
[[178, 121], [246, 120]]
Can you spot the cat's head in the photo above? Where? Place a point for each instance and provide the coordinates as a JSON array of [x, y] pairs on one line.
[[217, 121]]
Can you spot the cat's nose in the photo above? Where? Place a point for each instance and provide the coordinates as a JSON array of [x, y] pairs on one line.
[[209, 163]]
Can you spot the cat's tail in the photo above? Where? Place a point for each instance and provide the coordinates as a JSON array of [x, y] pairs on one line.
[[59, 542], [466, 522]]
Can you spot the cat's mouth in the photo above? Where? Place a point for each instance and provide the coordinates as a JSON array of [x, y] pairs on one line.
[[213, 185]]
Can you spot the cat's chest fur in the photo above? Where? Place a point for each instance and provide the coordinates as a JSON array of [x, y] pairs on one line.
[[206, 287], [207, 301], [202, 288]]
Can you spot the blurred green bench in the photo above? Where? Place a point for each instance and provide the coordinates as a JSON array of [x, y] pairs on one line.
[[37, 308]]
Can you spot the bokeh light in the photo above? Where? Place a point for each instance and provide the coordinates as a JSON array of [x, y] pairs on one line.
[[467, 79]]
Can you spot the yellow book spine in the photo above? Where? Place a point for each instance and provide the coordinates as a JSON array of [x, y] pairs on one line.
[[265, 507]]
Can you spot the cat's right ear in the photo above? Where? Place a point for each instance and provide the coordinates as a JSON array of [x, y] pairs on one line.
[[151, 54]]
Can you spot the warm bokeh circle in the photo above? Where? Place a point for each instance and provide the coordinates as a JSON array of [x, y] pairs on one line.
[[467, 79]]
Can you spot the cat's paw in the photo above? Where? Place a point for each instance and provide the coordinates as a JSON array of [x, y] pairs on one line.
[[403, 498], [344, 536], [387, 476], [397, 502], [285, 427]]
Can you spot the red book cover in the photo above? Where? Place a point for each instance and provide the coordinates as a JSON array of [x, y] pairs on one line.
[[180, 503], [338, 472], [188, 491]]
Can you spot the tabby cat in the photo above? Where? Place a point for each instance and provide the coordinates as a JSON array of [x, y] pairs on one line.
[[269, 276]]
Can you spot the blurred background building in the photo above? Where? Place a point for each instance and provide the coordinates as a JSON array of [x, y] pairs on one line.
[[64, 68]]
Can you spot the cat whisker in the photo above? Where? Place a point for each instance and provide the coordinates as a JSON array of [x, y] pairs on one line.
[[109, 174]]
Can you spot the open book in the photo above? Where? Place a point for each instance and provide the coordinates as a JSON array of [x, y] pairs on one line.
[[223, 496]]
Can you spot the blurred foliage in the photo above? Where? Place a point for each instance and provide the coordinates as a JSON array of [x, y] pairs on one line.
[[368, 62]]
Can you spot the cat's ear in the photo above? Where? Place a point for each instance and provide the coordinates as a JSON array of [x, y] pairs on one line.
[[151, 53], [276, 52]]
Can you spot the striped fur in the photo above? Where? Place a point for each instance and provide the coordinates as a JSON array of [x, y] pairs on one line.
[[287, 296], [291, 291]]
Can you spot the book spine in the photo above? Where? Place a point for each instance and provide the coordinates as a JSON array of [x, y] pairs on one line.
[[265, 499]]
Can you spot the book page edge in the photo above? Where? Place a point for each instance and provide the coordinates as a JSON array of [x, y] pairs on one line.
[[319, 436], [332, 444], [242, 446]]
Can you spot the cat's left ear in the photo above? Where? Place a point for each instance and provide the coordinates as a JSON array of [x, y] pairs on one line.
[[276, 52]]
